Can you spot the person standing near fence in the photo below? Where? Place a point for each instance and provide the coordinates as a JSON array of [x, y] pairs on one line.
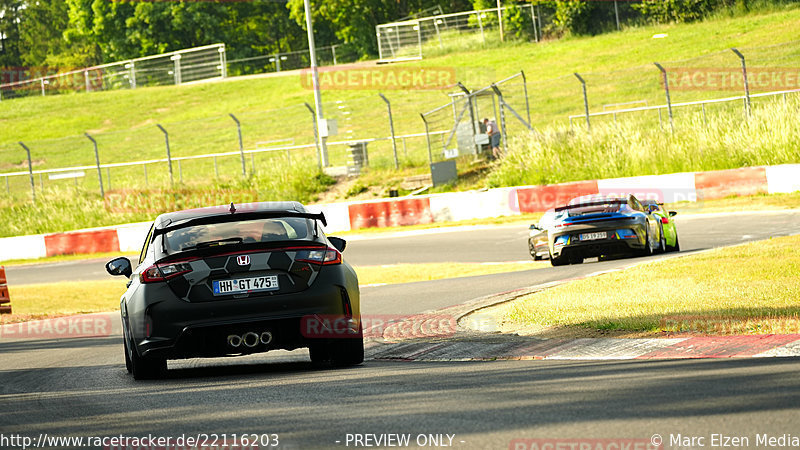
[[493, 131]]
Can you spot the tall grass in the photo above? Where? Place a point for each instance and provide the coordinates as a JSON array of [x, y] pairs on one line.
[[634, 146], [64, 208]]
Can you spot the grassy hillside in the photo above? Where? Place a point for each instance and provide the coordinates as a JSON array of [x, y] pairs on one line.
[[617, 67]]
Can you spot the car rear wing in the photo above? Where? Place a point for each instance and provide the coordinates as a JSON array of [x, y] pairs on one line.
[[593, 203], [238, 217]]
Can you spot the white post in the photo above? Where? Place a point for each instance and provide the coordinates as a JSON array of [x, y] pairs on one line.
[[315, 78]]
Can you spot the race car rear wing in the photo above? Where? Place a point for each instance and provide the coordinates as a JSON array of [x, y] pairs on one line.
[[238, 217], [593, 203]]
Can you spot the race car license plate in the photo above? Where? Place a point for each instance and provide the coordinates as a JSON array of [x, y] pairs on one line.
[[242, 285], [593, 236]]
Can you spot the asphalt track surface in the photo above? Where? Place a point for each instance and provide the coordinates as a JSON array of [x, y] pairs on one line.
[[78, 387]]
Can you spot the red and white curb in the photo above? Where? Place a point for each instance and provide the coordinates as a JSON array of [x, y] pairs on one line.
[[525, 348]]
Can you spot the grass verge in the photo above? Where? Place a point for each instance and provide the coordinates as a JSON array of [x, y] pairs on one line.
[[48, 300], [42, 301], [746, 289]]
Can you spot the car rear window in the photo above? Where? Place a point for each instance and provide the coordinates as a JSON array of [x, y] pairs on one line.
[[250, 231], [610, 207]]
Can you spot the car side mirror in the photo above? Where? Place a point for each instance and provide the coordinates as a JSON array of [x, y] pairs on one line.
[[673, 213], [534, 227], [119, 266], [338, 243]]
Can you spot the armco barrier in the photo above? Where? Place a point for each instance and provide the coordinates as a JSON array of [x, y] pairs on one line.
[[533, 199], [98, 241], [675, 187], [724, 183], [5, 298], [390, 213]]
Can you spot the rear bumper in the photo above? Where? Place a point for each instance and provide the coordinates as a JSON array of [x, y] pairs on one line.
[[172, 328], [569, 244]]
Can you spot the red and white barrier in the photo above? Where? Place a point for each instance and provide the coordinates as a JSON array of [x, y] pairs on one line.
[[394, 212]]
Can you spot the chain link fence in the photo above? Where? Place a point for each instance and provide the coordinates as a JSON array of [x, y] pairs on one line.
[[394, 133], [182, 66], [457, 128], [444, 33]]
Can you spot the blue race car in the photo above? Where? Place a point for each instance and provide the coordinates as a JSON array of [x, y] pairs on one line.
[[603, 226]]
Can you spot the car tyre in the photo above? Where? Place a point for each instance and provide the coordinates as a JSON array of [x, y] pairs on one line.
[[144, 368], [338, 352], [561, 260], [648, 246], [128, 364], [532, 250], [677, 246], [662, 246]]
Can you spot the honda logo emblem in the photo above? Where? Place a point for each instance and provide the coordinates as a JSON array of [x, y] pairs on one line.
[[243, 260]]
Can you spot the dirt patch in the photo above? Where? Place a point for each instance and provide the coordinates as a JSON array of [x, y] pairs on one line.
[[22, 164], [106, 126]]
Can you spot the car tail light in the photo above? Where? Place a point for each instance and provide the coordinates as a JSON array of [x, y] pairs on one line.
[[626, 233], [164, 271], [324, 256], [664, 220]]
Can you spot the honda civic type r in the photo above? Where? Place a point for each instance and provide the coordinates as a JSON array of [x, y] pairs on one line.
[[226, 281]]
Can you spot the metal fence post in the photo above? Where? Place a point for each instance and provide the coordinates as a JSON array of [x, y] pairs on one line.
[[480, 24], [427, 138], [500, 19], [666, 90], [177, 67], [241, 146], [585, 102], [535, 30], [471, 117], [391, 128], [333, 52], [97, 161], [744, 75], [169, 155], [502, 115], [41, 80], [132, 74], [30, 172], [223, 62], [525, 89], [616, 13], [86, 80], [316, 135]]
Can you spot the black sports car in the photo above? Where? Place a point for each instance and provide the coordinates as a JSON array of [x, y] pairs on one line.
[[236, 280], [603, 226]]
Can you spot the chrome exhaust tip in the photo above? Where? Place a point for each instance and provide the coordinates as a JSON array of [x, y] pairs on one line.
[[250, 339], [234, 340], [266, 337]]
